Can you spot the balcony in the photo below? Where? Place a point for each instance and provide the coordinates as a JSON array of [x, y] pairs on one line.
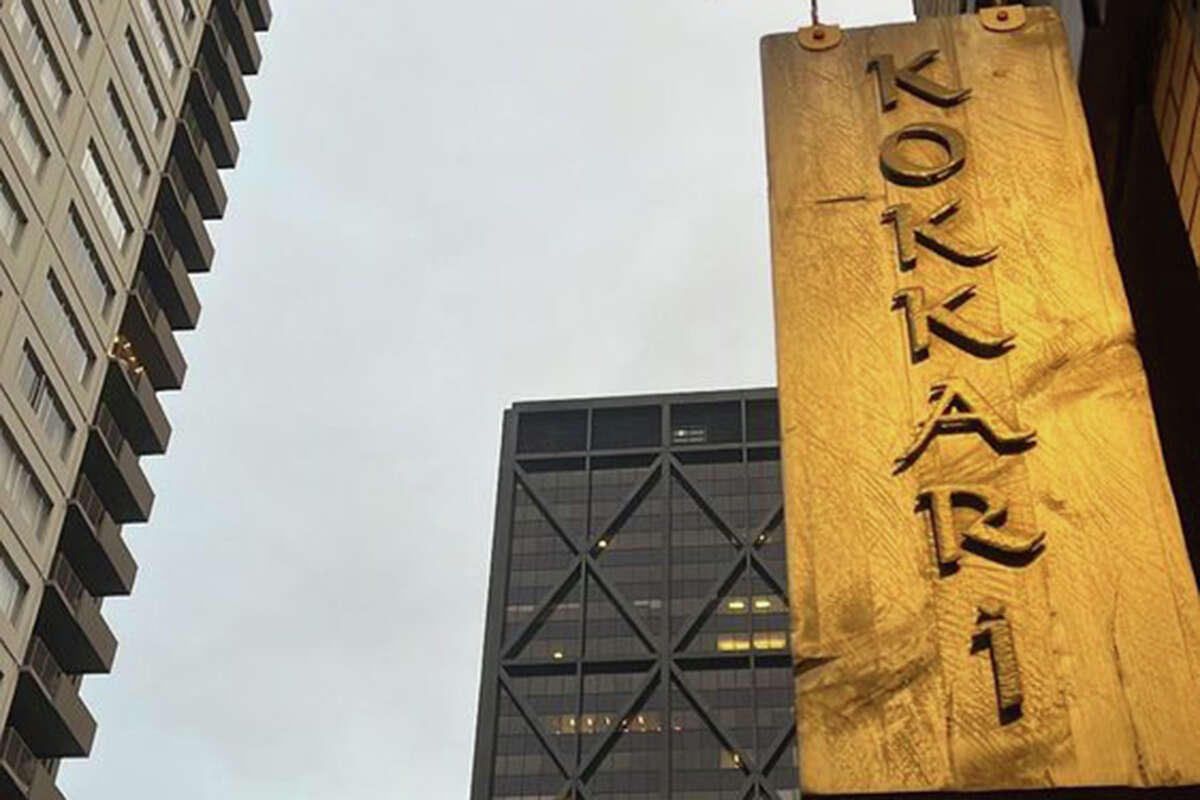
[[70, 624], [147, 328], [46, 709], [22, 775], [183, 219], [169, 281], [131, 399], [190, 149], [92, 541], [213, 116], [218, 56], [239, 30], [112, 467], [260, 14]]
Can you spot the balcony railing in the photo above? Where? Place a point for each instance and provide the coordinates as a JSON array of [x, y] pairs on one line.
[[206, 81], [159, 229], [182, 187], [90, 502], [193, 125], [237, 99], [145, 293], [110, 430], [42, 662], [221, 138], [17, 755], [78, 597], [206, 185]]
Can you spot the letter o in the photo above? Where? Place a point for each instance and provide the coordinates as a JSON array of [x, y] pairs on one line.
[[899, 169]]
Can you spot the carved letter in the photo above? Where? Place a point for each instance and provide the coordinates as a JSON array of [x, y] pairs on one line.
[[988, 530], [995, 632], [884, 67], [959, 408], [942, 319], [909, 233], [898, 168]]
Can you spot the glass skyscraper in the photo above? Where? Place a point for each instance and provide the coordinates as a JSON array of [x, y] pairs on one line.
[[637, 629]]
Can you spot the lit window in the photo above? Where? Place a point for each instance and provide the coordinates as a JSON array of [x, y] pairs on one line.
[[145, 95], [12, 219], [733, 643], [768, 604], [770, 640], [76, 24], [128, 153], [96, 285], [22, 487], [35, 385], [734, 605], [25, 133], [65, 335], [105, 195], [160, 37], [12, 589]]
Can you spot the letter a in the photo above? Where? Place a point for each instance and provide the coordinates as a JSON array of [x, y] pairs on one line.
[[959, 408]]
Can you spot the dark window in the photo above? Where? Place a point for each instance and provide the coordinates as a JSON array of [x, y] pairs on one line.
[[552, 431], [621, 428], [706, 423], [762, 420]]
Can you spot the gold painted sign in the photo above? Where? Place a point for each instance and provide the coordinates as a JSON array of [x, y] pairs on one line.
[[989, 583]]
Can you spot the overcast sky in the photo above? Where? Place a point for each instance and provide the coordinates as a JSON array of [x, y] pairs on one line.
[[440, 208]]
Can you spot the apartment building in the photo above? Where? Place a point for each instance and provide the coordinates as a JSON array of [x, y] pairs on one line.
[[117, 118]]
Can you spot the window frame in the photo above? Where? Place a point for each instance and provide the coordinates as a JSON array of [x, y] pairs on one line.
[[44, 400], [42, 59]]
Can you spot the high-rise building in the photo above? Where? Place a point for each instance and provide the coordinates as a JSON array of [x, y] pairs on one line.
[[637, 624], [117, 115]]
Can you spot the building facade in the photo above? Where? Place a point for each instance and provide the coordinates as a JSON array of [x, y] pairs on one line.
[[637, 629], [117, 116]]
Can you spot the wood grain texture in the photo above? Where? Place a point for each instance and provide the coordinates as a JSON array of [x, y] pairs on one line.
[[893, 692]]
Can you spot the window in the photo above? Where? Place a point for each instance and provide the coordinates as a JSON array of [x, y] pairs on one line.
[[65, 335], [22, 487], [160, 37], [183, 11], [35, 385], [145, 95], [96, 286], [12, 219], [128, 153], [25, 133], [41, 58], [106, 195], [75, 23], [12, 589]]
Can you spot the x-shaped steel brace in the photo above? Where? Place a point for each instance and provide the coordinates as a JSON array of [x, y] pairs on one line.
[[584, 561]]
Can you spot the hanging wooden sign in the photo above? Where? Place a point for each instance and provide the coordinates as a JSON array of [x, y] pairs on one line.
[[989, 583]]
